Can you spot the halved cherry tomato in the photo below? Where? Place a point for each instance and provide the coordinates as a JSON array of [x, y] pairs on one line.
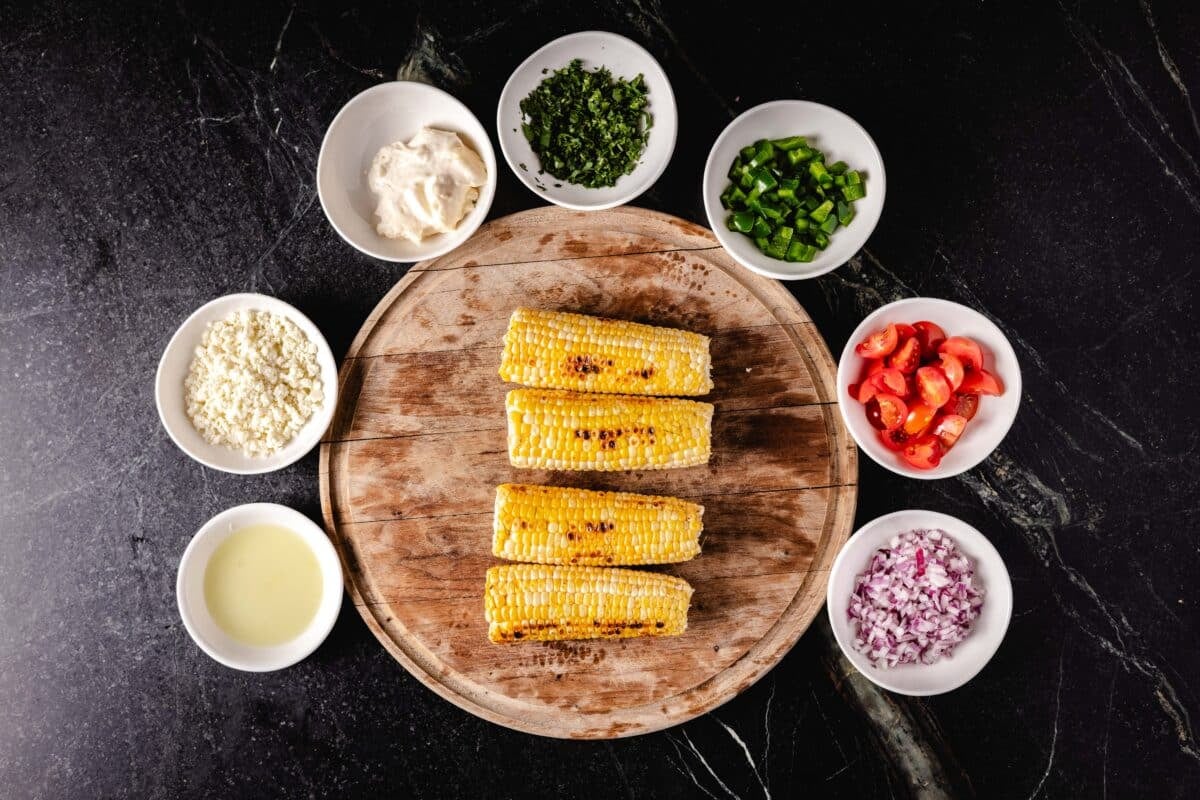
[[872, 366], [920, 414], [864, 389], [886, 412], [966, 350], [953, 368], [982, 382], [948, 428], [933, 386], [879, 343], [890, 380], [907, 357], [929, 335], [895, 440], [920, 388], [924, 453], [964, 405]]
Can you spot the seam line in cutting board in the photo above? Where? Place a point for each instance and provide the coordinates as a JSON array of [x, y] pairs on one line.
[[571, 258], [488, 513], [502, 427], [475, 595], [480, 347]]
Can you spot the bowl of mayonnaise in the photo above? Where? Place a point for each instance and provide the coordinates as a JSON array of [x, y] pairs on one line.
[[406, 172]]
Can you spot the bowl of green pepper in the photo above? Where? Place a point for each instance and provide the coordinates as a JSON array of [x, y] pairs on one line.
[[793, 189]]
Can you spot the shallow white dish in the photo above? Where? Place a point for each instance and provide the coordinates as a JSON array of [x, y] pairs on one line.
[[189, 589], [996, 414], [173, 369], [384, 114], [970, 655], [625, 59], [831, 131]]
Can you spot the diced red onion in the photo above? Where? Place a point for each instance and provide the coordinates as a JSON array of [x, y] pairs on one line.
[[916, 601]]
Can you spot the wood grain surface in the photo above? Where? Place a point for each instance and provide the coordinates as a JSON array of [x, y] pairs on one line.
[[418, 444]]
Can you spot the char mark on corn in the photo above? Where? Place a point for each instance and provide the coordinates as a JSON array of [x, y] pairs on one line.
[[539, 602], [559, 350]]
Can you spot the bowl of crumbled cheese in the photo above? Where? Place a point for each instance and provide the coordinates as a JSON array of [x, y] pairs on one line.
[[406, 172], [247, 384]]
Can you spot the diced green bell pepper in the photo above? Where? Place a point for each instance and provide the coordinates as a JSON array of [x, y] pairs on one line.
[[787, 190], [799, 156], [779, 242], [773, 213], [763, 153], [845, 213], [784, 196], [818, 172], [819, 213], [732, 197], [763, 179], [799, 251], [790, 143], [742, 221]]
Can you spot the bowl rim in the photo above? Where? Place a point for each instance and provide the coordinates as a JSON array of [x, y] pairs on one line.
[[548, 195], [875, 450], [718, 227], [483, 202], [329, 376], [965, 534], [323, 550]]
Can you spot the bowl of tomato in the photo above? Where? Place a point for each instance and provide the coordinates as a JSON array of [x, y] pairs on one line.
[[928, 387]]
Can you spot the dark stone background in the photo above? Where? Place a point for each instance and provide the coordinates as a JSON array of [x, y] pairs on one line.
[[1042, 164]]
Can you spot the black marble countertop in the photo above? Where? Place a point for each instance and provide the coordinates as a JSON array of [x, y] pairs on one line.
[[1043, 168]]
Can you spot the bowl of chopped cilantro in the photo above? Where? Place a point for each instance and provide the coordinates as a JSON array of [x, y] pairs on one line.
[[588, 122], [793, 189]]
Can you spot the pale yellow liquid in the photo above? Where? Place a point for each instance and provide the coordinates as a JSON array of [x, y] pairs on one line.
[[262, 585]]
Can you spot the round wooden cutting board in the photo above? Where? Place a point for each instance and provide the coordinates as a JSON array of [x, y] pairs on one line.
[[418, 445]]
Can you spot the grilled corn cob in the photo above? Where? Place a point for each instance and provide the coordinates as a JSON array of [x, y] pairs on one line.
[[557, 350], [538, 602], [555, 525], [571, 431]]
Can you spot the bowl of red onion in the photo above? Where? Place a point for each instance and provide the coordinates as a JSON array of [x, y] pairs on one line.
[[919, 601]]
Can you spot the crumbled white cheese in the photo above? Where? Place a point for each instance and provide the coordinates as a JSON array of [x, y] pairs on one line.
[[253, 382]]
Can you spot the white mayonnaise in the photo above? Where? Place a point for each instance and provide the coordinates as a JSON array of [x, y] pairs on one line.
[[425, 187]]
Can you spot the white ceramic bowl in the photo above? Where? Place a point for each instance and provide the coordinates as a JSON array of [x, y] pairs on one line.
[[189, 589], [625, 59], [173, 369], [969, 656], [384, 114], [996, 414], [835, 134]]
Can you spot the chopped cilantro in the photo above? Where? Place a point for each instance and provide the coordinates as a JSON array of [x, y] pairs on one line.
[[586, 127]]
